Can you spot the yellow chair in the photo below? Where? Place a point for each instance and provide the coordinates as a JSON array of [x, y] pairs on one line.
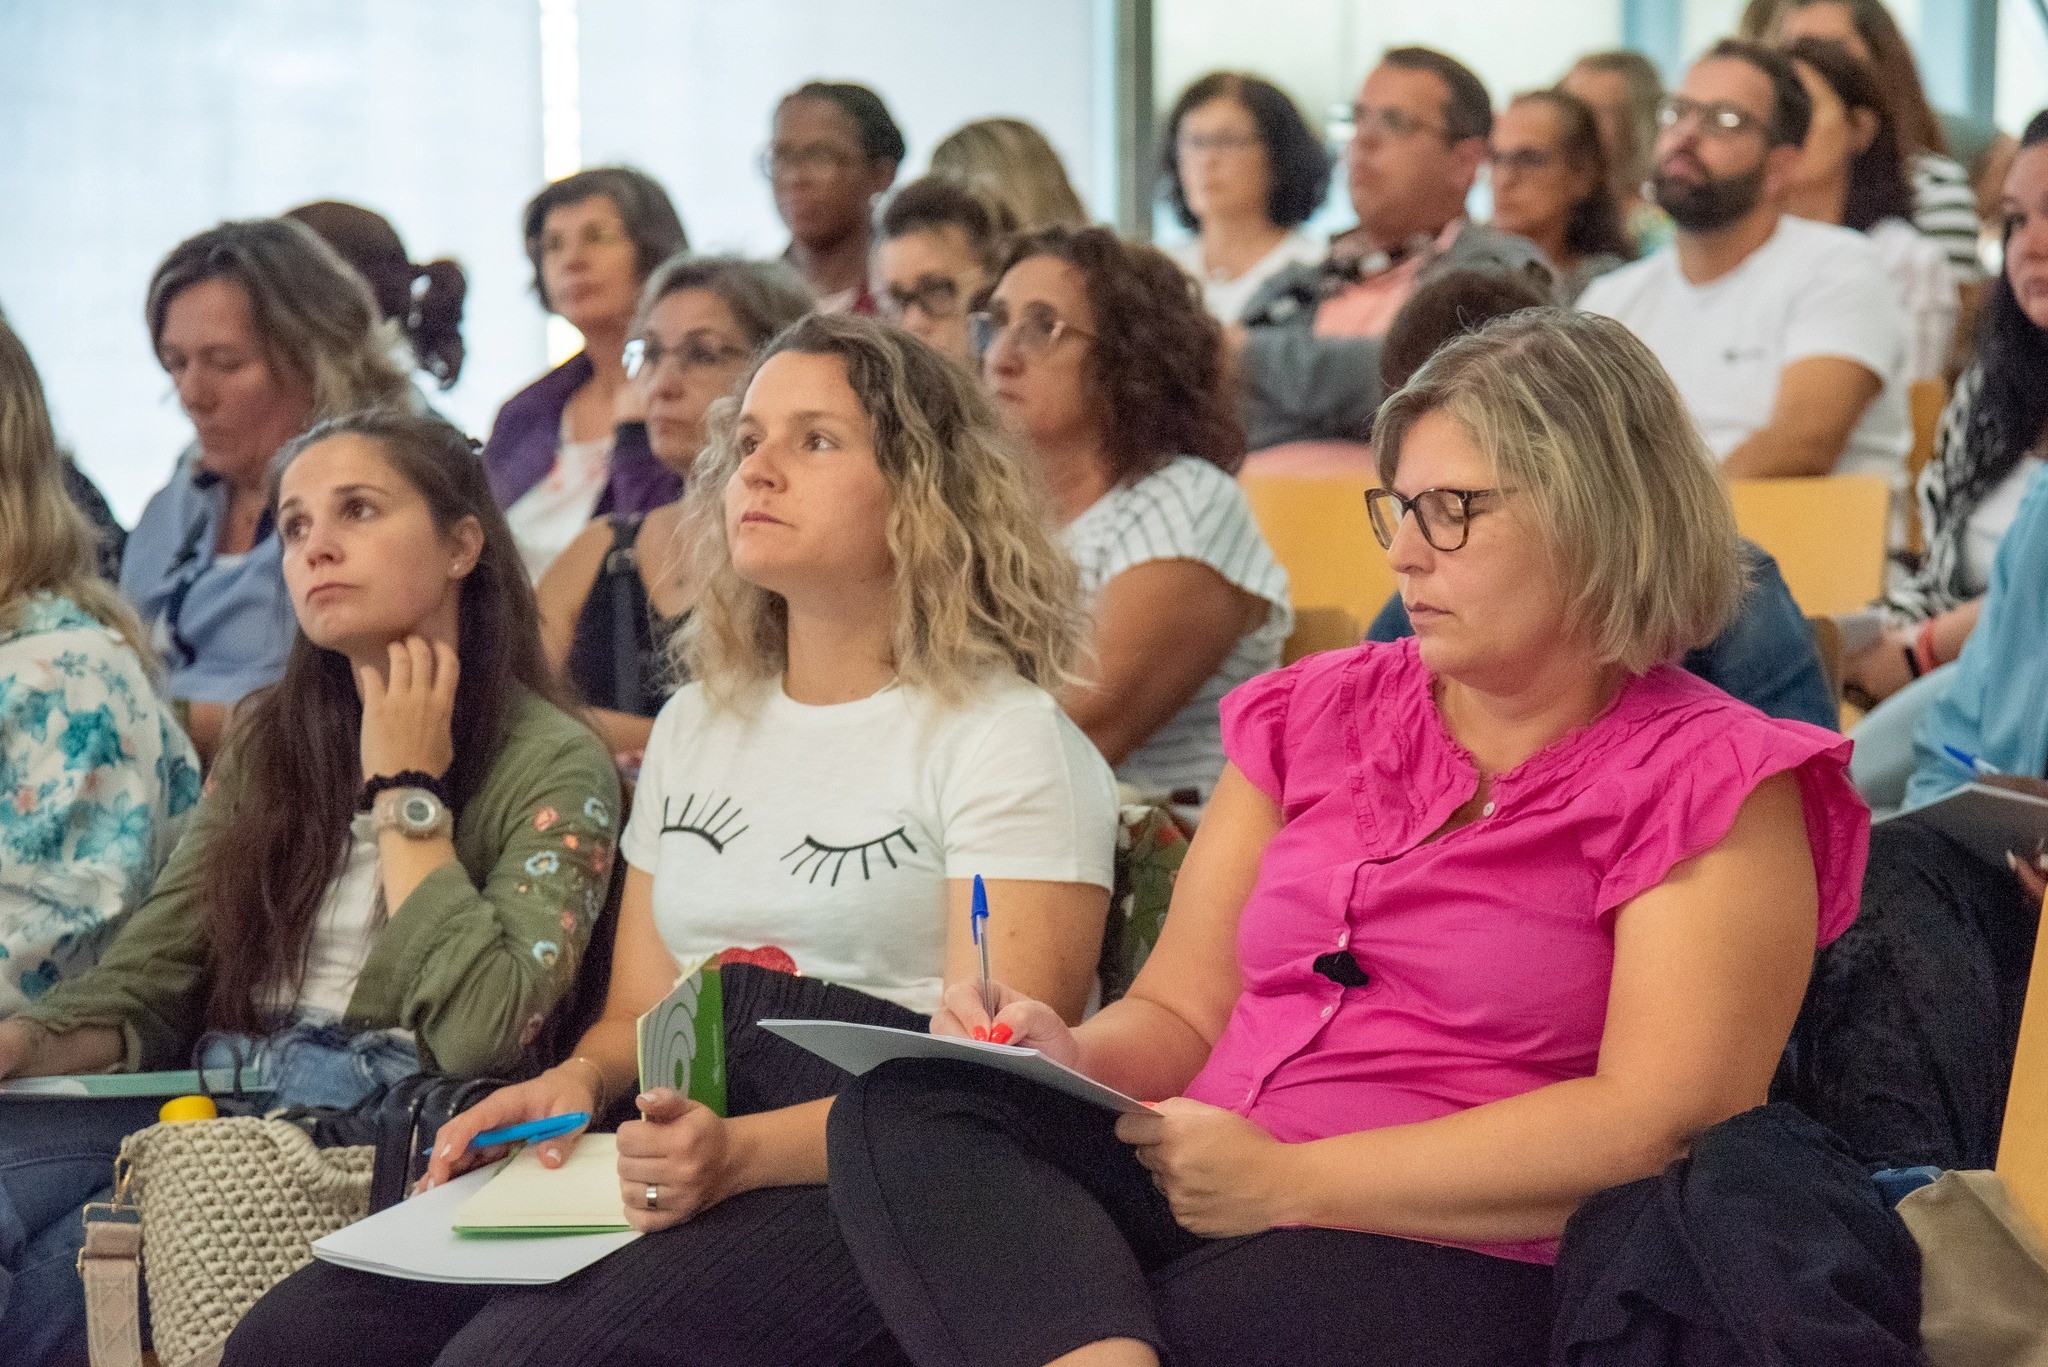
[[1927, 398], [1318, 531], [1827, 534], [1320, 629], [2023, 1142]]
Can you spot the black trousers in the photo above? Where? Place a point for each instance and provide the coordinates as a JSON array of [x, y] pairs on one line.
[[1904, 1045], [997, 1222], [760, 1279]]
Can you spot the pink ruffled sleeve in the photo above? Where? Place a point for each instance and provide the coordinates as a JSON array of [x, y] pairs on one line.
[[1691, 807], [1255, 728]]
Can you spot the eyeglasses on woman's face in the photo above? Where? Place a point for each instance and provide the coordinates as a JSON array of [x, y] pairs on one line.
[[936, 297], [700, 349], [1443, 515], [816, 159], [1034, 332]]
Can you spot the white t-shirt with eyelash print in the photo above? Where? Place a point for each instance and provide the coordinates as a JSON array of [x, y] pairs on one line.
[[823, 837]]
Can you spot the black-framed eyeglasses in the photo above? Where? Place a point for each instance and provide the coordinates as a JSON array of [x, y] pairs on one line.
[[1717, 118], [1444, 515], [934, 296], [815, 158], [1034, 334], [699, 350]]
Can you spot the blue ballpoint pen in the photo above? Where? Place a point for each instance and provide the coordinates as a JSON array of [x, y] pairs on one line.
[[977, 922], [1971, 762], [549, 1127]]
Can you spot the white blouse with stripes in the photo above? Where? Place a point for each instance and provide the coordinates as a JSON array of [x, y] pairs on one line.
[[1189, 510]]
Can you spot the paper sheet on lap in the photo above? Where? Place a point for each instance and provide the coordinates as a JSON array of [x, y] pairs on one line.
[[857, 1048]]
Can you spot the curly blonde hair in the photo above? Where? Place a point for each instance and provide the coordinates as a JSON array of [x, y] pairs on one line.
[[46, 543], [982, 587]]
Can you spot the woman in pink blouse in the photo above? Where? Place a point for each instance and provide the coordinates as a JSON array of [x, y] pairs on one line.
[[1477, 924]]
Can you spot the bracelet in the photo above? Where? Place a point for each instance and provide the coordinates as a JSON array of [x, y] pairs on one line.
[[1923, 641], [596, 1102], [404, 778]]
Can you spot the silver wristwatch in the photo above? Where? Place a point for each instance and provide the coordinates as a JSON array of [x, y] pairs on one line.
[[414, 813]]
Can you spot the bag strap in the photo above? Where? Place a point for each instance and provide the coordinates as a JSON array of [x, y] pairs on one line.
[[110, 1266]]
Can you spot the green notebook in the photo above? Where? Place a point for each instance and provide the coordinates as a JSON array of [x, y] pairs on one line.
[[524, 1198], [187, 1082], [682, 1040]]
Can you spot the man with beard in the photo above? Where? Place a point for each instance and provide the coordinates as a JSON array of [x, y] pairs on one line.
[[1311, 340], [1785, 336]]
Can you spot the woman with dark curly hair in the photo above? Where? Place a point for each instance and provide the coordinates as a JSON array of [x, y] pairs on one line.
[[1102, 354], [1243, 170]]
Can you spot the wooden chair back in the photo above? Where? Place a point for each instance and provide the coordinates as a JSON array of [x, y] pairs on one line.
[[1827, 534]]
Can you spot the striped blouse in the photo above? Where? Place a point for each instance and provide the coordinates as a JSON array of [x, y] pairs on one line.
[[1945, 208], [1189, 510]]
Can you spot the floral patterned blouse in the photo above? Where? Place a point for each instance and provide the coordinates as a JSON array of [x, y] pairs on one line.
[[96, 780]]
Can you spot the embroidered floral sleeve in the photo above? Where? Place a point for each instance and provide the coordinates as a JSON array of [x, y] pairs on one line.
[[96, 781], [473, 963]]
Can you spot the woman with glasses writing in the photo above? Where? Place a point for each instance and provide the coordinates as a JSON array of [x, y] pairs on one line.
[[1477, 925], [263, 331], [611, 602], [833, 149], [1550, 185], [571, 444], [1243, 171], [1103, 355]]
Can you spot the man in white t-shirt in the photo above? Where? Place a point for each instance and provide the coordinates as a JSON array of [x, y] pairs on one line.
[[1785, 337]]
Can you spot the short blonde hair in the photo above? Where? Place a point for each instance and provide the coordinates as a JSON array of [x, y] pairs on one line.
[[313, 314], [1574, 410], [46, 544], [1008, 165], [982, 587]]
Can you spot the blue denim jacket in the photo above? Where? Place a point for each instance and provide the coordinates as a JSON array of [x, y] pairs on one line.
[[1765, 658], [1996, 706]]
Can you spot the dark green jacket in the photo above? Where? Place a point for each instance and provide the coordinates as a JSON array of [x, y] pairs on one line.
[[471, 963]]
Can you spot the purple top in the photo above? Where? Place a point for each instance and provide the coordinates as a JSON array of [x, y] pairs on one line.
[[526, 440]]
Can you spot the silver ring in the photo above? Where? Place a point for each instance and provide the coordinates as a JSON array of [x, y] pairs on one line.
[[653, 1192]]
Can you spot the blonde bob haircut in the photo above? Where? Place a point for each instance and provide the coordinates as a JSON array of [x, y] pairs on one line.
[[1008, 165], [314, 315], [46, 544], [1573, 410], [982, 587]]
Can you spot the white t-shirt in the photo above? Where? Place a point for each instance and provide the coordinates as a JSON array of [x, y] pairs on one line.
[[829, 833], [344, 929], [1190, 510], [1993, 517], [1812, 289], [1226, 297], [1927, 290], [554, 512]]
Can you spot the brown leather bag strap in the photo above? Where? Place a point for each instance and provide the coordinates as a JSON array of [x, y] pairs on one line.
[[110, 1265]]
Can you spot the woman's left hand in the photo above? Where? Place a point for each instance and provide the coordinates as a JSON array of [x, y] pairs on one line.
[[1220, 1172], [678, 1149], [409, 709]]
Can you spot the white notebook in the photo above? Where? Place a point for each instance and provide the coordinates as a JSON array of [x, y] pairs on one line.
[[416, 1239], [857, 1048]]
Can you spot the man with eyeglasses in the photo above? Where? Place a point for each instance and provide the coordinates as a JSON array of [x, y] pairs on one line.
[[1785, 337], [1311, 341], [934, 253]]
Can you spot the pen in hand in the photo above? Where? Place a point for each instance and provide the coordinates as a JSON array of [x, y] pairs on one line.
[[977, 923]]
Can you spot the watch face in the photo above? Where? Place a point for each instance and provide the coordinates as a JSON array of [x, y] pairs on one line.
[[418, 810]]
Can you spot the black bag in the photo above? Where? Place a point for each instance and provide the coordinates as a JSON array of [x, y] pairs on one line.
[[400, 1119]]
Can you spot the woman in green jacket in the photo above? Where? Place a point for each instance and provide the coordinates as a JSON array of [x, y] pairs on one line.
[[396, 867]]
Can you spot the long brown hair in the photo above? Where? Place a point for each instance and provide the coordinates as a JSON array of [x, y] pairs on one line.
[[291, 768], [1162, 381]]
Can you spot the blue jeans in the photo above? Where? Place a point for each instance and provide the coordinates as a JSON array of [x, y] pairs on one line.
[[57, 1154]]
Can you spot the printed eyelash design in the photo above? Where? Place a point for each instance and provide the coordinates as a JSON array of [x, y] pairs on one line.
[[816, 854], [713, 825]]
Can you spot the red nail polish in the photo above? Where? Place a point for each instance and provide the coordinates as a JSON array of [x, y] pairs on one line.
[[999, 1035], [981, 1032]]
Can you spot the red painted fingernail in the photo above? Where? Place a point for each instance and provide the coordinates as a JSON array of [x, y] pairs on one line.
[[981, 1032], [999, 1035]]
